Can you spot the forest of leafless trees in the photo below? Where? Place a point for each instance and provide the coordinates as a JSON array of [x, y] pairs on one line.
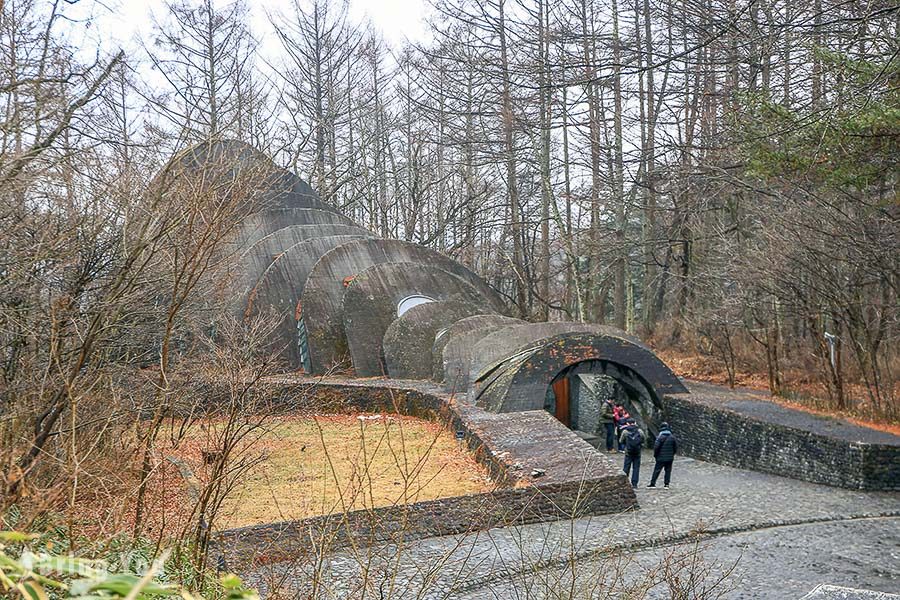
[[719, 177], [716, 176]]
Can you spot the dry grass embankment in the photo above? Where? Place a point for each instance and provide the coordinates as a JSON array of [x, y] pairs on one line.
[[314, 465], [808, 395]]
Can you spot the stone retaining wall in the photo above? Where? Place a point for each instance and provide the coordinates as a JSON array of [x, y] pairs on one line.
[[301, 539], [543, 471], [720, 435]]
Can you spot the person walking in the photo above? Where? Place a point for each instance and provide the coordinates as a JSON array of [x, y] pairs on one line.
[[664, 451], [632, 439], [608, 420]]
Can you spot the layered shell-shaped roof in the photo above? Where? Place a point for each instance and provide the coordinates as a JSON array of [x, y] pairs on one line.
[[347, 300]]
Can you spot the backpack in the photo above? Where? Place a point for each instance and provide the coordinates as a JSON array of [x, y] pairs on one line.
[[634, 441]]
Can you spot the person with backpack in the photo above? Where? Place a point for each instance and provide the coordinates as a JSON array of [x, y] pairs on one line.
[[664, 451], [608, 421], [632, 439]]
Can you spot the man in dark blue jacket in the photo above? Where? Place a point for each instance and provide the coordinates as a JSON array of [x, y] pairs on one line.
[[633, 441], [664, 451]]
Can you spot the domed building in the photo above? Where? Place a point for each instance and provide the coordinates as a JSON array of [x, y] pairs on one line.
[[348, 301]]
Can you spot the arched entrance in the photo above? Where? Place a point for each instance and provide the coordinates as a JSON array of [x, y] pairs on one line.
[[576, 395]]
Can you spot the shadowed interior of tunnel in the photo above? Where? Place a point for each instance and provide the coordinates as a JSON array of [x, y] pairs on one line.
[[576, 395]]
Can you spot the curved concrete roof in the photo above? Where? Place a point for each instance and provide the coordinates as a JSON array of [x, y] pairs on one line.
[[253, 228], [507, 341], [520, 381], [250, 264], [324, 290], [410, 338], [293, 234], [452, 349], [280, 287], [232, 166], [293, 255], [370, 302]]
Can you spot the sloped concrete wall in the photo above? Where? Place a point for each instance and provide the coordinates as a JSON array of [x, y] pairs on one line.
[[325, 286], [409, 339]]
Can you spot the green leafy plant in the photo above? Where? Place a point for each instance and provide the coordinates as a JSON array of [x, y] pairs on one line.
[[41, 576]]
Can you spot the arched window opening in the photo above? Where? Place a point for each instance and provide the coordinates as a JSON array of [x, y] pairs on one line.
[[411, 301]]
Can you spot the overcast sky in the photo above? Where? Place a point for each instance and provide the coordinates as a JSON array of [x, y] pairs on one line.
[[121, 23]]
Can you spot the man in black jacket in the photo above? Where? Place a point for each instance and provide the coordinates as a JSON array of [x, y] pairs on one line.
[[664, 451], [632, 440]]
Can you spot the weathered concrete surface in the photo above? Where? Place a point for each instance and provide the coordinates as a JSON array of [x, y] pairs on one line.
[[279, 287], [370, 304], [509, 340], [520, 382], [250, 263], [744, 430], [452, 349], [281, 283], [409, 339], [326, 283], [235, 167], [277, 240], [258, 225], [785, 536], [272, 266]]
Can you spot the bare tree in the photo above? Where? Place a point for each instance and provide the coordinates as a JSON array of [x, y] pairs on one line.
[[206, 56]]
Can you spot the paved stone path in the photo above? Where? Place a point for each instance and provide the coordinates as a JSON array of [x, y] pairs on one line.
[[778, 537]]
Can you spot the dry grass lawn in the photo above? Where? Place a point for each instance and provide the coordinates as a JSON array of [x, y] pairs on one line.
[[304, 466]]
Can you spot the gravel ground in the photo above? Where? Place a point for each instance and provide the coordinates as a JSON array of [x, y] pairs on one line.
[[785, 537]]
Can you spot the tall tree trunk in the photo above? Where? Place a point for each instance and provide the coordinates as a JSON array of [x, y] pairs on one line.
[[521, 283], [649, 191], [546, 192], [319, 91], [619, 177], [573, 278], [595, 276]]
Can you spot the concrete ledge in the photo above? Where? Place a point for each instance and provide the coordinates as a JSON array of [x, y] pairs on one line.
[[737, 429], [542, 469]]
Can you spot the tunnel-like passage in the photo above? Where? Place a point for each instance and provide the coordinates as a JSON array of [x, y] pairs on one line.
[[577, 394], [570, 374]]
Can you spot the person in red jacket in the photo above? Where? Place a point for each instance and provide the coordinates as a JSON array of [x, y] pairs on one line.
[[620, 418]]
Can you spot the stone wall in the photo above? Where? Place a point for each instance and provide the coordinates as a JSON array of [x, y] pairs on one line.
[[543, 471], [718, 425], [296, 540], [881, 467]]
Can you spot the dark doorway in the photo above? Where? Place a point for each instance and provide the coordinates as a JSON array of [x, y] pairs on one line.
[[576, 395]]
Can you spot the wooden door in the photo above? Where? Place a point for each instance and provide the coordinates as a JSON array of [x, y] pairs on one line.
[[561, 391]]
